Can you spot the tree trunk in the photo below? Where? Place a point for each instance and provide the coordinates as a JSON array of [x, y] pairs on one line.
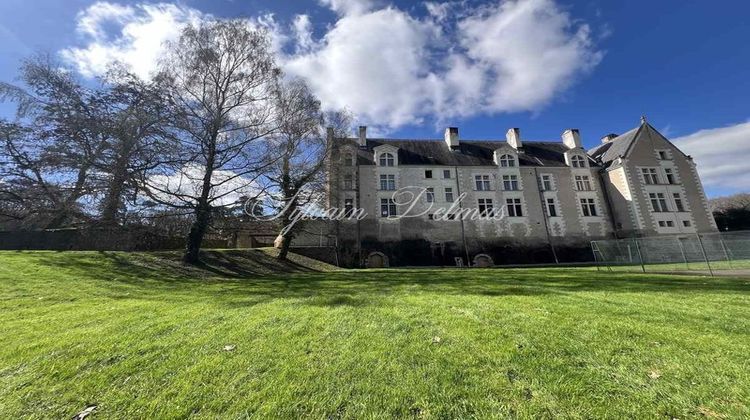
[[58, 220], [113, 196], [195, 236], [202, 210], [113, 200], [286, 241]]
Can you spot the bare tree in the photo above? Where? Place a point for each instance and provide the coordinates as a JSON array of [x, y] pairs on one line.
[[51, 153], [140, 139], [219, 78], [296, 178]]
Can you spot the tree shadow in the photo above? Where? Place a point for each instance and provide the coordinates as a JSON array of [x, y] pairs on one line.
[[246, 279]]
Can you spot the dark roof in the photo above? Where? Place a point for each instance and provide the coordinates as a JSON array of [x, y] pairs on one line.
[[468, 153], [616, 147], [620, 146]]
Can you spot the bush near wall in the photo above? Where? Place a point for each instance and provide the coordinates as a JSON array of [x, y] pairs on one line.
[[502, 252]]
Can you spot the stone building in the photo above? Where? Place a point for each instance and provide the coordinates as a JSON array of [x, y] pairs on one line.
[[543, 200]]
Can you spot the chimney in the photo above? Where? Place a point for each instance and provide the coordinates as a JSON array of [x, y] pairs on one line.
[[513, 137], [362, 136], [609, 137], [451, 137], [571, 138]]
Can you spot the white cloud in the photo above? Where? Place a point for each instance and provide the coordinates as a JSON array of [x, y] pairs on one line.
[[528, 50], [439, 11], [142, 31], [373, 63], [722, 155], [302, 28], [348, 7], [391, 68], [385, 65]]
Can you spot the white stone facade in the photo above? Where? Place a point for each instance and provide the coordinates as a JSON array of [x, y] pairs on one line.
[[549, 192]]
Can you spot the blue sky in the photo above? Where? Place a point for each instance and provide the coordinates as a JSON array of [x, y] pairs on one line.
[[408, 69]]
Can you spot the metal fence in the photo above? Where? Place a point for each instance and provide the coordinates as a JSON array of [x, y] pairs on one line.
[[707, 252]]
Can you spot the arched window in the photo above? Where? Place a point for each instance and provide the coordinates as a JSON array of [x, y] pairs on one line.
[[507, 161], [387, 159], [348, 159], [578, 161]]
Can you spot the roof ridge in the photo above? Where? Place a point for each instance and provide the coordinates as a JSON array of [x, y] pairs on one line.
[[461, 140]]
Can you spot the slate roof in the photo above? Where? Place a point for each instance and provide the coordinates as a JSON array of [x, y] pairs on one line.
[[617, 147], [468, 153], [605, 153]]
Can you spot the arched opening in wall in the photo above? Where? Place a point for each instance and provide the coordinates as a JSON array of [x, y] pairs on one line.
[[376, 260], [483, 260]]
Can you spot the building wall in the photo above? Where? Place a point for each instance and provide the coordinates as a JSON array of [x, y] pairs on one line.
[[620, 195], [644, 154], [568, 228]]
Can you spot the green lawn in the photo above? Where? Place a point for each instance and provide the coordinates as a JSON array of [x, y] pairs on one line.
[[139, 336]]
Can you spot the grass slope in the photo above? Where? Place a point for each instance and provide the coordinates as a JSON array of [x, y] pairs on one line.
[[140, 336]]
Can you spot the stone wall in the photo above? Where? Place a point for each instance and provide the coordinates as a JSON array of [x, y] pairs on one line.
[[117, 239]]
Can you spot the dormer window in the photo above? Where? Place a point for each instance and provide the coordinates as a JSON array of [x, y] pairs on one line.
[[348, 159], [507, 161], [578, 161], [387, 159], [663, 154]]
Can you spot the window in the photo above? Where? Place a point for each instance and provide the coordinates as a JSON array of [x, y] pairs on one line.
[[387, 207], [658, 202], [546, 181], [348, 207], [666, 223], [387, 159], [510, 182], [670, 176], [686, 223], [482, 182], [578, 161], [348, 182], [583, 183], [485, 206], [447, 173], [663, 154], [428, 174], [348, 159], [678, 204], [588, 207], [430, 195], [514, 207], [507, 161], [551, 209], [649, 176], [388, 182], [449, 195]]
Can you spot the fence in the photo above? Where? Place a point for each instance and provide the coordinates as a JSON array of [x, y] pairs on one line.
[[708, 252]]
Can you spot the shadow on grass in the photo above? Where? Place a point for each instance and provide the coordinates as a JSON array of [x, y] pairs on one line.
[[244, 280]]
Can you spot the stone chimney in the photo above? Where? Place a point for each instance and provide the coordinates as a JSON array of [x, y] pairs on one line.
[[451, 137], [513, 137], [362, 136], [571, 138], [609, 137]]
